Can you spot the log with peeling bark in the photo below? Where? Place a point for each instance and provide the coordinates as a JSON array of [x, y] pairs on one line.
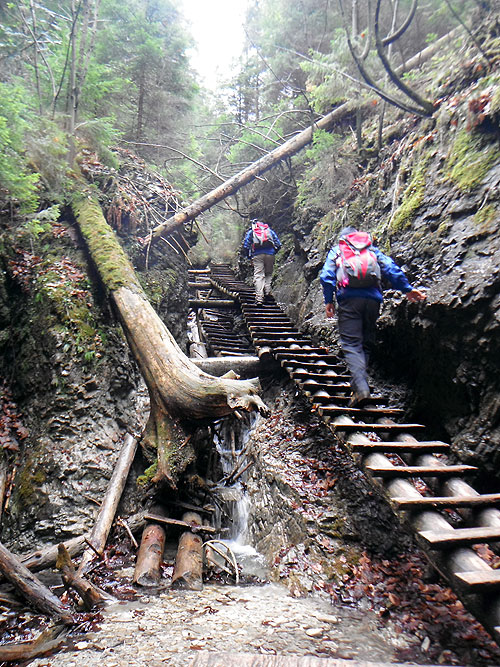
[[188, 569], [90, 595], [242, 366], [150, 556], [179, 391], [31, 588], [286, 150], [46, 642], [107, 511]]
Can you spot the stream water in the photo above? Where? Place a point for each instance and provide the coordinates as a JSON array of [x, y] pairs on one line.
[[172, 627]]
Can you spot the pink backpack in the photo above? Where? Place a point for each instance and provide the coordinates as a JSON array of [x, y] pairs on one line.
[[357, 264], [261, 235]]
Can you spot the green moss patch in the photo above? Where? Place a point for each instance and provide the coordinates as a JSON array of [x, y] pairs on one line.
[[470, 160], [486, 218], [412, 198], [149, 473], [112, 263]]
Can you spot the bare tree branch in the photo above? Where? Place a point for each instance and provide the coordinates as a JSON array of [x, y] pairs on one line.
[[403, 28], [465, 27], [427, 106]]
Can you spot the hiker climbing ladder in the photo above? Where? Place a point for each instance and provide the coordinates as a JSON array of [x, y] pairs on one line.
[[371, 433]]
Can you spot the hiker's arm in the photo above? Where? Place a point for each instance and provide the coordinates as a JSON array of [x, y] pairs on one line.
[[247, 244], [328, 279], [391, 271], [416, 295]]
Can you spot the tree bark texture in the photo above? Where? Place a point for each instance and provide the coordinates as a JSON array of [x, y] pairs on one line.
[[90, 595], [48, 641], [280, 153], [32, 588], [150, 556], [179, 391], [188, 568]]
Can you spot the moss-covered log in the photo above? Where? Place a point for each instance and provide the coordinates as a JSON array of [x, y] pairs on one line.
[[179, 391]]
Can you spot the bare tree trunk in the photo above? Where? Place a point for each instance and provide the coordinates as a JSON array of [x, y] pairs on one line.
[[188, 569], [150, 556], [179, 391], [31, 588], [107, 512]]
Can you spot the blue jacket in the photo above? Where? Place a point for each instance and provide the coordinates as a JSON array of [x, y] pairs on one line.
[[388, 268], [259, 250]]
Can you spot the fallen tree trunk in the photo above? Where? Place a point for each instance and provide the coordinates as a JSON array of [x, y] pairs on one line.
[[32, 588], [90, 595], [107, 511], [188, 569], [247, 366], [179, 392], [286, 150], [47, 642], [150, 556]]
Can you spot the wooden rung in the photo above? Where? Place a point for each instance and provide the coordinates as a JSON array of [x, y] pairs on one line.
[[420, 471], [269, 341], [285, 351], [338, 401], [200, 285], [448, 539], [450, 502], [332, 362], [328, 410], [415, 447], [276, 334], [309, 375], [479, 581], [314, 353], [348, 428]]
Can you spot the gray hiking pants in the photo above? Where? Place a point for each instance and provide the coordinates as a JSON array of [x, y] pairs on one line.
[[357, 320], [262, 273]]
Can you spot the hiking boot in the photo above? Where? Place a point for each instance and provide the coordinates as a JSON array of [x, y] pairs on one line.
[[359, 398]]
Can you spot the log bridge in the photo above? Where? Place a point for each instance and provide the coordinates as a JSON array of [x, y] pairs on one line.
[[370, 433]]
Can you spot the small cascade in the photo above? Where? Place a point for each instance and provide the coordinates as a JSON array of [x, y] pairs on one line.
[[231, 441]]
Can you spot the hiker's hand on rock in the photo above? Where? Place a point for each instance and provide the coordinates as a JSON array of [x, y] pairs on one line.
[[416, 295], [330, 310]]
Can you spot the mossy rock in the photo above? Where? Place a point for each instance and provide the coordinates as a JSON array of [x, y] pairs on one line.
[[470, 160]]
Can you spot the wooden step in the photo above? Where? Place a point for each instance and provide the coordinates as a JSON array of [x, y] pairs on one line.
[[349, 428], [309, 375], [285, 351], [479, 581], [441, 539], [448, 502], [313, 355], [273, 341], [399, 447], [419, 471], [312, 365], [334, 386], [332, 399], [330, 410]]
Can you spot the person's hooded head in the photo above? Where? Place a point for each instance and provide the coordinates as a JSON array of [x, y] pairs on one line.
[[346, 231]]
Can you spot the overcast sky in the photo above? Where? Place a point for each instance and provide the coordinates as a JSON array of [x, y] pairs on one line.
[[216, 26]]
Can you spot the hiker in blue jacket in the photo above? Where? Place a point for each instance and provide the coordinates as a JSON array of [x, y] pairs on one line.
[[261, 244], [358, 309]]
